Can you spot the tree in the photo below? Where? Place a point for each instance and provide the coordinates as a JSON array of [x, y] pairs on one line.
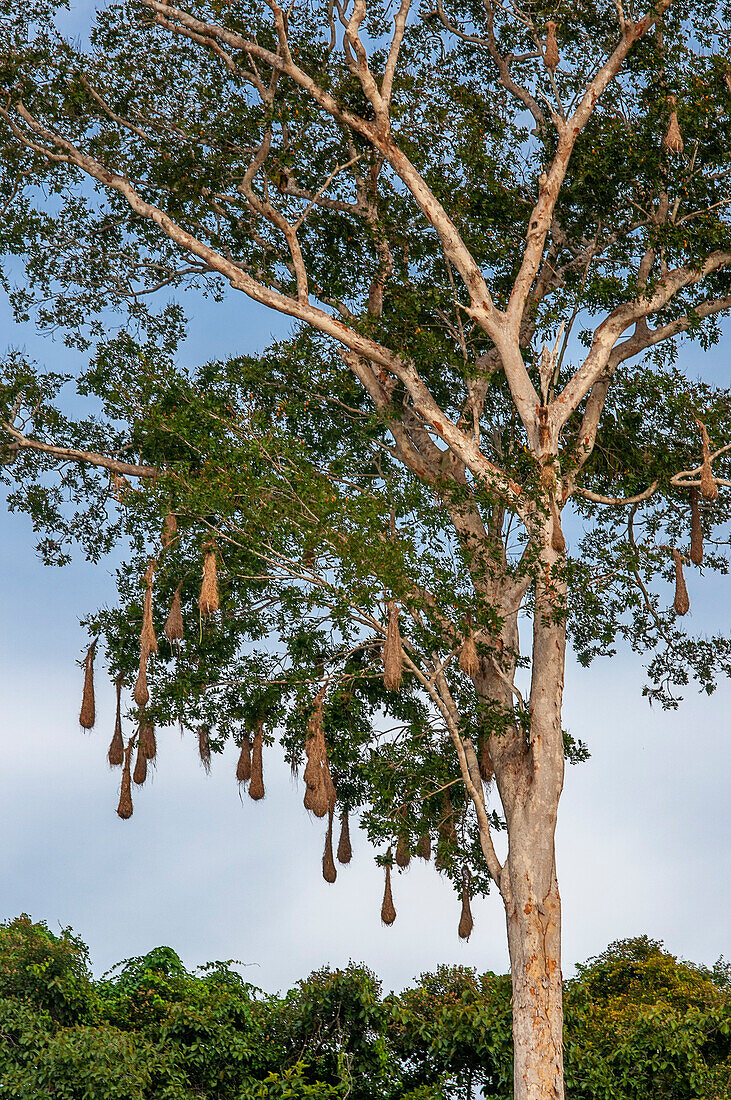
[[638, 1022], [492, 227]]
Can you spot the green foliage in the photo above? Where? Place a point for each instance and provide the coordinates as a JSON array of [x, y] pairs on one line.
[[638, 1023], [48, 972], [647, 1024], [320, 515]]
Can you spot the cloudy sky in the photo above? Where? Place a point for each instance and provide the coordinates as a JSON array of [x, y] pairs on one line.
[[643, 839]]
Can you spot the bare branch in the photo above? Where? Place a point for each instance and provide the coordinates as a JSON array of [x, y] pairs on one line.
[[684, 478], [392, 60], [71, 454], [550, 183], [598, 498], [621, 318]]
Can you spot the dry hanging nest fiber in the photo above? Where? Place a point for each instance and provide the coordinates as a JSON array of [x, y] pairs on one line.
[[319, 787], [673, 140], [208, 601], [115, 755], [87, 714], [485, 762], [204, 748], [256, 783], [696, 530], [423, 848], [124, 809], [388, 910], [681, 602], [174, 624], [243, 765], [469, 658], [403, 852], [141, 691], [329, 872], [148, 641], [345, 850], [558, 542], [466, 922], [550, 52], [393, 654], [140, 772], [709, 489], [147, 740]]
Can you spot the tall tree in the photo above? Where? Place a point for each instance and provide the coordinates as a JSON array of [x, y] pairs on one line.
[[492, 225]]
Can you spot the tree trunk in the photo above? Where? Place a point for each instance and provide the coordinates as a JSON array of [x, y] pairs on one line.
[[534, 940], [530, 779]]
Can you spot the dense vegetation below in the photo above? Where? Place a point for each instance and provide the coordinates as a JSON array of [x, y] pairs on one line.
[[639, 1023]]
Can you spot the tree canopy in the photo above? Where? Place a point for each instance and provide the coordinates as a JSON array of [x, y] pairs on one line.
[[493, 228], [637, 1020]]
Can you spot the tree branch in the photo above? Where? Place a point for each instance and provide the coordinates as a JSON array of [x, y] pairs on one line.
[[70, 454], [599, 499]]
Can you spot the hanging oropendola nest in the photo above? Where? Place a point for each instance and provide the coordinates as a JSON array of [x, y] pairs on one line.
[[141, 692], [169, 530], [174, 624], [148, 742], [550, 52], [243, 766], [696, 530], [466, 923], [256, 783], [148, 640], [403, 851], [316, 800], [709, 488], [208, 601], [485, 761], [469, 658], [673, 140], [388, 911], [87, 714], [320, 793], [393, 654], [423, 848], [329, 872], [115, 755], [681, 602], [140, 772], [345, 850], [558, 542], [124, 809], [204, 747], [315, 750]]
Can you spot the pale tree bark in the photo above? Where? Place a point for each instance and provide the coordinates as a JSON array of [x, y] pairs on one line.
[[529, 776], [530, 891], [533, 916]]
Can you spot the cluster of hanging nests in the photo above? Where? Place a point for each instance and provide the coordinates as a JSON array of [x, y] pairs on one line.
[[119, 754], [709, 492], [320, 793], [672, 139]]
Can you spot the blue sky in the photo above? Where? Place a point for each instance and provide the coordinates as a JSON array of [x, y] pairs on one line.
[[643, 836], [644, 829]]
